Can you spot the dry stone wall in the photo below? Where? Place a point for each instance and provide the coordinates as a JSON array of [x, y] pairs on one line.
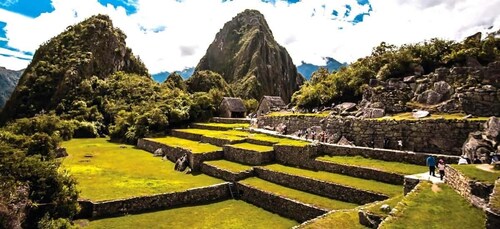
[[322, 188], [225, 174], [248, 157], [280, 205], [476, 192], [434, 136], [230, 120]]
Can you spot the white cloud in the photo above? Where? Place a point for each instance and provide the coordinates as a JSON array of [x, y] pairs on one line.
[[188, 27]]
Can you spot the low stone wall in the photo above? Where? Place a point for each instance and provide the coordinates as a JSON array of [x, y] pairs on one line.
[[230, 120], [477, 193], [155, 202], [369, 219], [259, 142], [173, 153], [247, 156], [323, 188], [434, 136], [409, 184], [207, 127], [225, 174], [493, 212], [280, 205], [219, 142], [492, 219], [384, 154], [296, 155], [360, 172], [186, 135]]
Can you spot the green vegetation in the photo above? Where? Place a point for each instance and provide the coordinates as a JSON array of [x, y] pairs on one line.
[[106, 170], [303, 197], [225, 125], [435, 206], [195, 147], [340, 219], [388, 61], [477, 174], [229, 165], [226, 214], [253, 147], [409, 116], [392, 202], [369, 185], [386, 166]]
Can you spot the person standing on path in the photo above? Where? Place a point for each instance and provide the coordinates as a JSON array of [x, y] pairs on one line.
[[441, 168], [431, 162]]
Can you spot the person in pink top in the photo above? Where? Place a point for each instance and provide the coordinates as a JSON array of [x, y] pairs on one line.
[[441, 167]]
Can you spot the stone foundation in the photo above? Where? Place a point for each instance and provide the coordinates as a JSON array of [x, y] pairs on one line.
[[280, 205], [225, 174], [322, 188], [154, 202], [409, 184], [219, 142], [477, 193], [248, 157], [433, 136]]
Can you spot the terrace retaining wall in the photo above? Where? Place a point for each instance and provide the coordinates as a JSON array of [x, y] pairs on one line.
[[230, 120], [186, 135], [409, 184], [154, 202], [280, 205], [219, 142], [437, 135], [493, 212], [208, 127], [248, 156], [476, 192], [322, 188], [225, 174], [360, 172], [296, 155]]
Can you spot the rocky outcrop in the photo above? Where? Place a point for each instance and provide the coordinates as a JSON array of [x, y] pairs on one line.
[[246, 55], [483, 144], [91, 48], [8, 81]]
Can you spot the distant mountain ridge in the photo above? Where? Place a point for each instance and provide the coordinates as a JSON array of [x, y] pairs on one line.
[[162, 76], [8, 82], [245, 53], [307, 69]]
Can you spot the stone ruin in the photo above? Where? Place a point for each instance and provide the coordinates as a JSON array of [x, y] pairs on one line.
[[484, 144]]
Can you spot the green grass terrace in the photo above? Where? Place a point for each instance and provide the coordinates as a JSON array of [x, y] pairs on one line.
[[346, 219], [303, 197], [435, 206], [194, 146], [229, 166], [482, 173], [386, 166], [106, 171], [253, 147], [226, 214], [368, 185], [225, 125]]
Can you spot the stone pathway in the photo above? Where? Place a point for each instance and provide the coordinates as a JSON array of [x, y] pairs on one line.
[[426, 176]]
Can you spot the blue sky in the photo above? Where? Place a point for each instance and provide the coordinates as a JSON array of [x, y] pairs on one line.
[[172, 35]]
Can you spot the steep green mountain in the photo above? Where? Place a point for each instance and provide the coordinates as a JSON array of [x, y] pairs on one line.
[[246, 55], [8, 81], [91, 48]]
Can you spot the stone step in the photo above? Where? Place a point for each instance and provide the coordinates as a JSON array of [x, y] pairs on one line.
[[220, 126], [366, 168], [337, 186], [227, 170], [214, 137], [249, 154], [231, 120], [297, 195]]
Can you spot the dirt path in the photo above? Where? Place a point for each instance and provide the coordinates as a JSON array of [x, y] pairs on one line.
[[487, 168], [435, 188]]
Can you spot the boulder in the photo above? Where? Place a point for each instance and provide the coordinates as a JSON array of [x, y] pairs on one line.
[[281, 128], [492, 130], [420, 114], [373, 113], [385, 208], [443, 88], [409, 79], [345, 107], [61, 152], [343, 141], [430, 97], [482, 144], [158, 152]]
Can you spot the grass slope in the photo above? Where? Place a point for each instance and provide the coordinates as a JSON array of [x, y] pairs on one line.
[[253, 147], [303, 197], [229, 165], [226, 214], [340, 219], [194, 146], [369, 185], [474, 173], [106, 171], [435, 207], [386, 166], [392, 202]]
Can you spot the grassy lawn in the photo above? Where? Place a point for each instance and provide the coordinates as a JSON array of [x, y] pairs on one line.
[[303, 197], [253, 147], [340, 219], [225, 125], [392, 202], [194, 146], [277, 140], [226, 214], [386, 166], [106, 171], [477, 174], [436, 207], [369, 185], [409, 116], [229, 165], [287, 113]]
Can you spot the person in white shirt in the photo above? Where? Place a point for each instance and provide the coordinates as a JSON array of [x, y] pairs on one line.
[[441, 167]]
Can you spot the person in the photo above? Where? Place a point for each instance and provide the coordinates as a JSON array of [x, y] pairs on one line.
[[462, 161], [431, 162], [441, 168]]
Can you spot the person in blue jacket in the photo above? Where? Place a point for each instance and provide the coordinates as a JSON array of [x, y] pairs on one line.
[[431, 162]]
